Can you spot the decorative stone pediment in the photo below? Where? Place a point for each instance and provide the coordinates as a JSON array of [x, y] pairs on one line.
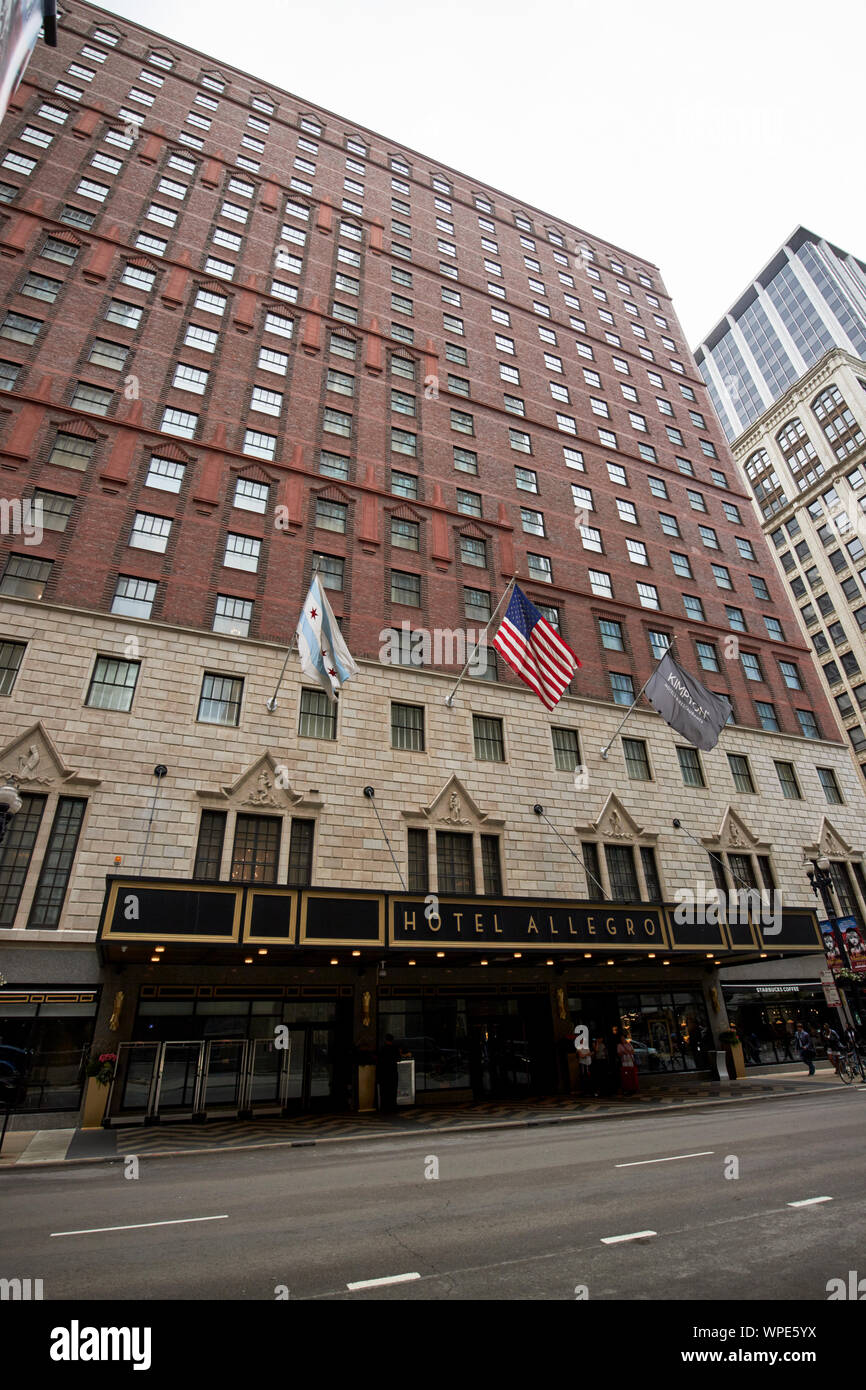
[[254, 472], [172, 451], [32, 761], [220, 287], [65, 235], [453, 809], [734, 834], [263, 786], [403, 512], [830, 843], [332, 493], [470, 528], [81, 428], [143, 263], [614, 822]]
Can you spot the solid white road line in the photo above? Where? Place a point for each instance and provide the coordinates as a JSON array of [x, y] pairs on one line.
[[810, 1201], [377, 1283], [634, 1235], [675, 1158], [180, 1221]]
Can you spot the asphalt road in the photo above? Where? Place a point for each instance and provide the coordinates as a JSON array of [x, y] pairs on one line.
[[514, 1215]]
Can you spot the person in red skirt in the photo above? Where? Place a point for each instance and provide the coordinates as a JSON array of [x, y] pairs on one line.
[[627, 1064]]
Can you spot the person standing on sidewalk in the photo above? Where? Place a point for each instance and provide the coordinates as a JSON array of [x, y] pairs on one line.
[[803, 1039], [627, 1065]]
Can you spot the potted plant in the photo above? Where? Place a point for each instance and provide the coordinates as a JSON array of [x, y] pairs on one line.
[[100, 1074]]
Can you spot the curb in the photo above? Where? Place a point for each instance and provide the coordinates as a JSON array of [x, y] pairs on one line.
[[468, 1128]]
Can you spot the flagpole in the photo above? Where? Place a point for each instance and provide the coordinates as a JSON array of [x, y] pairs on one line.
[[449, 699], [630, 711], [539, 811], [370, 794], [271, 704]]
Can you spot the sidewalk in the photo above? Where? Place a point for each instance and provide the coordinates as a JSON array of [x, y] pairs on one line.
[[27, 1149]]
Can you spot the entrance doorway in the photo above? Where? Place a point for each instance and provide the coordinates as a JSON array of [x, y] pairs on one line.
[[313, 1071], [510, 1047]]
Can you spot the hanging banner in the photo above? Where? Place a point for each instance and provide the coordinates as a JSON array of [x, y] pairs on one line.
[[831, 947], [853, 944]]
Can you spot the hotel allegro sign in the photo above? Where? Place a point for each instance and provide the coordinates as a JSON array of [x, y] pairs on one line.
[[524, 923]]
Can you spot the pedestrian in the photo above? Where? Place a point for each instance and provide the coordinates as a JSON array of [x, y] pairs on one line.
[[599, 1069], [386, 1074], [803, 1040], [850, 1038], [755, 1048], [832, 1045], [627, 1064], [584, 1071], [783, 1037]]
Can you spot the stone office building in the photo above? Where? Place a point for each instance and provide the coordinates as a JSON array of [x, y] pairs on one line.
[[247, 340]]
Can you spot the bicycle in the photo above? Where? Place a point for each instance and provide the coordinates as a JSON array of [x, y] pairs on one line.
[[849, 1066]]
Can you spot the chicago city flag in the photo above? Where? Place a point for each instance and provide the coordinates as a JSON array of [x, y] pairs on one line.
[[535, 650], [324, 655]]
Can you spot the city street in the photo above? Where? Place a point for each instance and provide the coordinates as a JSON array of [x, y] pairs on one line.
[[513, 1215]]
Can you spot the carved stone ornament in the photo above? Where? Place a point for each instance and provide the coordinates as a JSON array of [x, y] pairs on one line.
[[453, 817]]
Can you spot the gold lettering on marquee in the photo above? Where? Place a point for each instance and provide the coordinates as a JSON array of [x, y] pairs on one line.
[[553, 931], [649, 926], [532, 926], [479, 921], [496, 926], [458, 918], [611, 930], [571, 930], [408, 921], [629, 926], [590, 925]]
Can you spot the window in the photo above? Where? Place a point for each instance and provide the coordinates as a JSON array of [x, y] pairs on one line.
[[690, 767], [25, 578], [56, 509], [463, 422], [696, 501], [539, 567], [600, 583], [407, 727], [232, 615], [220, 700], [637, 552], [242, 552], [566, 749], [520, 441], [179, 422], [659, 643], [827, 778], [808, 724], [57, 864], [611, 635], [648, 596], [622, 688], [20, 328], [318, 715], [627, 511], [681, 565], [707, 656], [693, 607], [193, 379], [669, 524], [768, 717], [405, 535], [476, 604], [112, 684], [333, 465], [736, 619], [250, 496], [741, 773], [10, 662], [489, 740], [525, 479], [70, 451], [266, 402], [406, 588], [205, 339], [93, 399], [722, 576], [788, 781], [791, 675], [455, 870], [751, 666], [280, 325], [590, 538], [636, 759]]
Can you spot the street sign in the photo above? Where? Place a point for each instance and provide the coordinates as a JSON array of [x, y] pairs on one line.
[[831, 993]]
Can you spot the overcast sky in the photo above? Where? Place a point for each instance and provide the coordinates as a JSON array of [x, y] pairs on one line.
[[697, 135]]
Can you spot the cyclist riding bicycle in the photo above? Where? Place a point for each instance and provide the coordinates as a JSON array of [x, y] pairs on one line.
[[832, 1045]]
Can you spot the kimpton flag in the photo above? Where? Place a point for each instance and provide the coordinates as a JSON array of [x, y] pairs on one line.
[[324, 655], [686, 705]]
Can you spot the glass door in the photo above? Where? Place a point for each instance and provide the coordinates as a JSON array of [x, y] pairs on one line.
[[224, 1071], [311, 1082], [179, 1077]]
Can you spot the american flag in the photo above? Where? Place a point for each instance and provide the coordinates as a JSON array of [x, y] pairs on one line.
[[535, 650]]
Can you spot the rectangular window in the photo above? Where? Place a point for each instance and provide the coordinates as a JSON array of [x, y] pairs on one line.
[[318, 715], [489, 740], [490, 865], [112, 684], [690, 767], [788, 781], [827, 778], [256, 849], [454, 863], [768, 716], [622, 688], [220, 700], [407, 727], [242, 552], [150, 532], [10, 662], [300, 867], [741, 773], [57, 864], [134, 597], [621, 873], [406, 588], [566, 749]]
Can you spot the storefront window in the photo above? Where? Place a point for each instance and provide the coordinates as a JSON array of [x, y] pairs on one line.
[[47, 1044]]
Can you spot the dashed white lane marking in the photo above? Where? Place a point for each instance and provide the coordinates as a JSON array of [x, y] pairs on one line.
[[633, 1235], [810, 1201], [674, 1158], [377, 1283], [139, 1226]]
